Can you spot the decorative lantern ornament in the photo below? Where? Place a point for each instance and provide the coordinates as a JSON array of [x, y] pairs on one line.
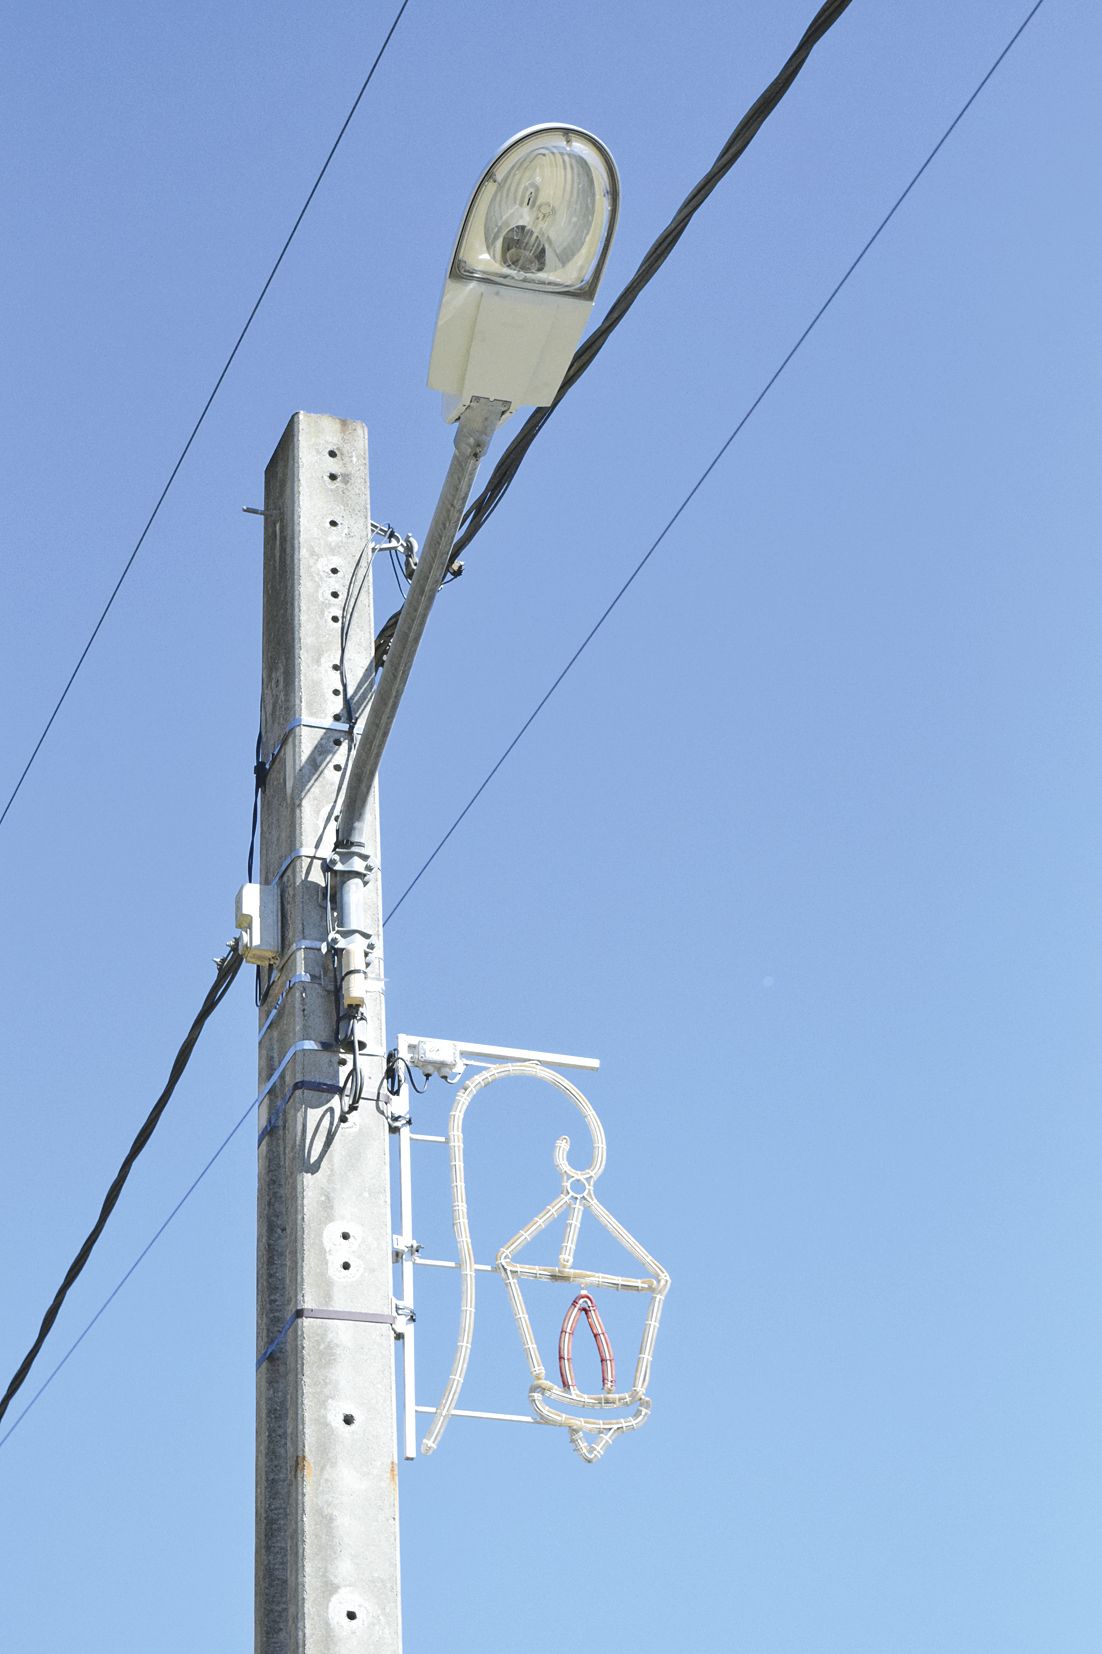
[[609, 1412]]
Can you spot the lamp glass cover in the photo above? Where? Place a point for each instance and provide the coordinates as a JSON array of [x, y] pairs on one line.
[[542, 216]]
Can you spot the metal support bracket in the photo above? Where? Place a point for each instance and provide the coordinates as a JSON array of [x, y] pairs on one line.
[[397, 1320]]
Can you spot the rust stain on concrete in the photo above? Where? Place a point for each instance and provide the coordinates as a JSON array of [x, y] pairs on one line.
[[303, 1467]]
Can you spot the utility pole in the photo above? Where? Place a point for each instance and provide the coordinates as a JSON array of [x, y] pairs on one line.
[[327, 1473], [327, 1575]]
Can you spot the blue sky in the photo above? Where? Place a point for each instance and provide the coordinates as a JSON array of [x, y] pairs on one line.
[[805, 849]]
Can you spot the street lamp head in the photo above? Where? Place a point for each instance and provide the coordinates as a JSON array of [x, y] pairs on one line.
[[543, 215], [525, 270]]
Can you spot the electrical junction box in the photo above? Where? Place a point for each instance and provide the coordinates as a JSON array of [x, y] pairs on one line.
[[433, 1056], [257, 918]]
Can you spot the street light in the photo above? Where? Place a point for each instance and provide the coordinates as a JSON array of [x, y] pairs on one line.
[[525, 270], [522, 281]]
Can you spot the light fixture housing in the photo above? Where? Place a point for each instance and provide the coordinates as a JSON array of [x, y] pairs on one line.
[[525, 269]]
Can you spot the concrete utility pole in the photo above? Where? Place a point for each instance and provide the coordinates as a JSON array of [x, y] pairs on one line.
[[515, 303], [326, 1481]]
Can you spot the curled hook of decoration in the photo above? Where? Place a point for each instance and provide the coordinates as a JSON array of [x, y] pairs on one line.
[[590, 1433]]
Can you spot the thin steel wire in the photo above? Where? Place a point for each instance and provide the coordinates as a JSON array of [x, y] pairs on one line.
[[225, 974], [483, 508], [199, 422], [706, 473]]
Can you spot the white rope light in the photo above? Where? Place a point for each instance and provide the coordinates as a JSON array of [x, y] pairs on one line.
[[591, 1430]]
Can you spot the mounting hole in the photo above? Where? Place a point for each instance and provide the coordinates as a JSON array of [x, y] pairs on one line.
[[332, 476], [350, 1614], [336, 738], [332, 453], [337, 693], [345, 1235], [334, 569], [350, 1418], [336, 666], [346, 1264], [337, 766], [336, 619]]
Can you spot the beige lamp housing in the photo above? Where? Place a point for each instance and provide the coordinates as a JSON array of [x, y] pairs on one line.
[[525, 270]]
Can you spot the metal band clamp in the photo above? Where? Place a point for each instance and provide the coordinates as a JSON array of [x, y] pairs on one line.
[[399, 1317]]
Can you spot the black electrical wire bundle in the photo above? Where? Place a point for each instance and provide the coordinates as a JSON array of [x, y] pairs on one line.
[[483, 508], [227, 969]]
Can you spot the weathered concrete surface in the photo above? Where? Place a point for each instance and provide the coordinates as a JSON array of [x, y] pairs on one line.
[[327, 1509]]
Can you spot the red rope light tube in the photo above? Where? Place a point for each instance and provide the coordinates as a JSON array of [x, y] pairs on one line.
[[584, 1305]]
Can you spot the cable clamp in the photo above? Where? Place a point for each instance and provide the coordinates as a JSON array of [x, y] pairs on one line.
[[344, 936], [394, 1116], [405, 1247], [353, 866], [352, 859]]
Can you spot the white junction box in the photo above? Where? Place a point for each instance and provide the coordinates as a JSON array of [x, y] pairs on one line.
[[257, 918], [432, 1056]]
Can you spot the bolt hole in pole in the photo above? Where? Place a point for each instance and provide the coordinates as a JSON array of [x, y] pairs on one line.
[[334, 569], [333, 523], [332, 453], [345, 1234], [350, 1614], [346, 1264], [332, 476], [349, 1418]]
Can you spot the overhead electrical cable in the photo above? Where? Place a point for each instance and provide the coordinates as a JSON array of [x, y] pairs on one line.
[[479, 513], [105, 611], [708, 469], [227, 969], [558, 680], [482, 509], [121, 1282]]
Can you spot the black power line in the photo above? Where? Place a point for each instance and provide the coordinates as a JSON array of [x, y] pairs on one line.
[[542, 703], [483, 508], [227, 969], [708, 469], [105, 611]]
